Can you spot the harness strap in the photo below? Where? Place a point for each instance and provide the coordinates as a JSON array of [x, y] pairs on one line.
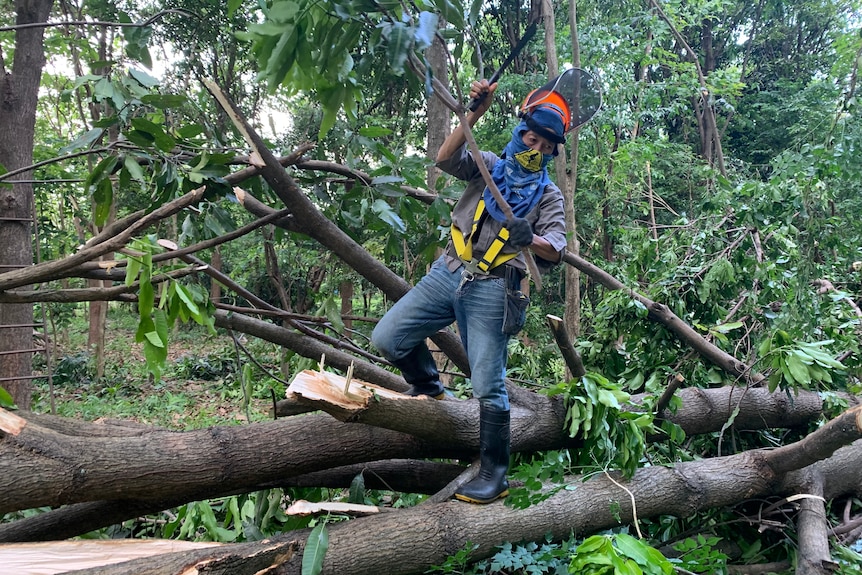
[[492, 256]]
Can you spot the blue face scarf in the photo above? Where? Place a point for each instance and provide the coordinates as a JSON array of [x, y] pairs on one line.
[[520, 175]]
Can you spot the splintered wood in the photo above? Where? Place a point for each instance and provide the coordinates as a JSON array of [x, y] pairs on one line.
[[303, 507], [335, 389], [11, 423]]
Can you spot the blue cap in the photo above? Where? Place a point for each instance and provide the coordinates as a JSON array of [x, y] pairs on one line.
[[547, 120]]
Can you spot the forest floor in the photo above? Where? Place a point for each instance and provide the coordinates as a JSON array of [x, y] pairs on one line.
[[200, 385]]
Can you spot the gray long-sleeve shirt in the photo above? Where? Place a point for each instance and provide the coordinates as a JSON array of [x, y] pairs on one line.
[[547, 218]]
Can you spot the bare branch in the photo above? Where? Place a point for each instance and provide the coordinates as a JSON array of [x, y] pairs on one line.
[[99, 23]]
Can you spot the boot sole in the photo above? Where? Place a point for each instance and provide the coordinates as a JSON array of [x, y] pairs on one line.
[[460, 497]]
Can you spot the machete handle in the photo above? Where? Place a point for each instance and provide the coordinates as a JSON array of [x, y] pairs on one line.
[[477, 101]]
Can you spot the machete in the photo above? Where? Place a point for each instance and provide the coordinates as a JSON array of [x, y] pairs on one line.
[[528, 34]]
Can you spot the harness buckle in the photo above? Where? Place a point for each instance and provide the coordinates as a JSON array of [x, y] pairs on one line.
[[471, 270]]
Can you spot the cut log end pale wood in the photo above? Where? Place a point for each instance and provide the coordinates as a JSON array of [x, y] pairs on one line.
[[62, 556], [11, 423], [303, 507], [330, 388]]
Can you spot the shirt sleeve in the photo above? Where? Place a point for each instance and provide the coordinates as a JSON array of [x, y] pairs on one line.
[[463, 166], [551, 224]]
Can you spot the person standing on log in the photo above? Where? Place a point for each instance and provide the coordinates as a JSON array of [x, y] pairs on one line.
[[476, 282]]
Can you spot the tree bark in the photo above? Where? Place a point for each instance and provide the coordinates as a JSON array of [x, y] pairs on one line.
[[426, 535], [134, 468], [165, 464], [19, 93], [572, 313], [439, 120], [813, 557]]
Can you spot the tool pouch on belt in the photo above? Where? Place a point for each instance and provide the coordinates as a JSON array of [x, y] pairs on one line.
[[515, 311]]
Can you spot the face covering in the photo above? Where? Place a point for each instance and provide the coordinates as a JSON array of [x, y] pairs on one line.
[[530, 160], [520, 176]]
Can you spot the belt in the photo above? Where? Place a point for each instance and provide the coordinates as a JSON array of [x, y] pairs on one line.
[[471, 270], [499, 271]]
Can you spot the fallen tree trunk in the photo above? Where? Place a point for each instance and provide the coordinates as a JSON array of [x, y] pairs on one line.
[[207, 463], [46, 468], [423, 536], [401, 475]]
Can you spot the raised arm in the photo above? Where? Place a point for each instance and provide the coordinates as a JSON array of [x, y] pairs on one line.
[[457, 138]]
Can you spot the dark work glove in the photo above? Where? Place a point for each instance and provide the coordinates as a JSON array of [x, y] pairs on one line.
[[520, 233]]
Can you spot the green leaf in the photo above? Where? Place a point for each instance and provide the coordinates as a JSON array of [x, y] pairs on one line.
[[103, 196], [105, 166], [643, 554], [232, 6], [186, 299], [385, 212], [282, 58], [728, 327], [331, 100], [146, 298], [154, 339], [134, 168], [103, 90], [161, 322], [6, 399], [162, 140], [453, 12], [398, 47], [374, 132], [165, 101], [330, 307], [283, 11], [475, 9], [155, 357], [356, 493], [774, 381], [315, 550], [133, 266], [798, 369], [82, 141], [426, 30], [191, 131], [143, 78], [593, 544]]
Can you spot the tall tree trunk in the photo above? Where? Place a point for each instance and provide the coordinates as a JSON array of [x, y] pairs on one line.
[[572, 314], [20, 91], [98, 310], [439, 124]]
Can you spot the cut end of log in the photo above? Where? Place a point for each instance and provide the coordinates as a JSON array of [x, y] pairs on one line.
[[62, 556], [11, 423], [303, 508], [330, 388]]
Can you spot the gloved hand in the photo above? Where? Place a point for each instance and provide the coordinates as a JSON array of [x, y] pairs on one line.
[[520, 233]]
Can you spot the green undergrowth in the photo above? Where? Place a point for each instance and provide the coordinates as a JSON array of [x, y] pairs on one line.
[[208, 380]]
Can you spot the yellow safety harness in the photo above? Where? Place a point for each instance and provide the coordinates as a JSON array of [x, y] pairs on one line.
[[492, 256]]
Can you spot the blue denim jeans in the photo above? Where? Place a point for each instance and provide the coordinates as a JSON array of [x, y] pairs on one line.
[[439, 299]]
